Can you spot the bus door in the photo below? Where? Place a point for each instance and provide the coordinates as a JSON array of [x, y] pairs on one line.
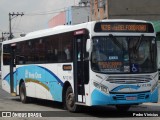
[[12, 69], [79, 66]]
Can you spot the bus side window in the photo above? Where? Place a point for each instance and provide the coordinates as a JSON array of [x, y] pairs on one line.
[[20, 60], [6, 54], [65, 47]]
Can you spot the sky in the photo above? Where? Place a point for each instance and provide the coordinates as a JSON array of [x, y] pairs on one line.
[[37, 14]]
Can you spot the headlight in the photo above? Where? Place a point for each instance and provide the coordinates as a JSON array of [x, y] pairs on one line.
[[154, 86], [101, 87]]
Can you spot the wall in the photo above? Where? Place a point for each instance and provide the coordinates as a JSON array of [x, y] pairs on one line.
[[80, 14], [99, 9], [125, 9], [73, 15], [59, 19], [134, 9], [69, 16]]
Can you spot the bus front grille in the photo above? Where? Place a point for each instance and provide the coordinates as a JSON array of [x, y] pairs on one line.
[[129, 79], [137, 96]]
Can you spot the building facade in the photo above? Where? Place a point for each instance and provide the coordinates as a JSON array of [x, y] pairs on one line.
[[71, 16], [59, 19], [125, 9]]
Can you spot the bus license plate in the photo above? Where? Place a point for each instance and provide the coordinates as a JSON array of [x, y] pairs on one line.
[[131, 98]]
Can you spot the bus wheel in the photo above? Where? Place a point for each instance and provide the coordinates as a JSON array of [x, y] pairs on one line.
[[123, 107], [70, 100], [23, 97]]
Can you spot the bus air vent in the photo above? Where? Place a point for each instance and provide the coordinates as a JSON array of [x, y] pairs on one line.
[[129, 79]]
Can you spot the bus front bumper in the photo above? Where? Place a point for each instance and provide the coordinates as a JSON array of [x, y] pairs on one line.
[[100, 98]]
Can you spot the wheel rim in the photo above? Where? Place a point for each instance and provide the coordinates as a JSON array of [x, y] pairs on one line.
[[70, 100]]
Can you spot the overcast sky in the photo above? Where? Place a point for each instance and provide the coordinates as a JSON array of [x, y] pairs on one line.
[[37, 13]]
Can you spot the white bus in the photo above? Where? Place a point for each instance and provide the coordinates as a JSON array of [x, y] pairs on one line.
[[108, 62]]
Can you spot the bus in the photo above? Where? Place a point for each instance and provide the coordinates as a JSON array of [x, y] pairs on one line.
[[98, 63]]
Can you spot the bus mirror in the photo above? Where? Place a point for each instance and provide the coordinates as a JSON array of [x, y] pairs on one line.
[[88, 45]]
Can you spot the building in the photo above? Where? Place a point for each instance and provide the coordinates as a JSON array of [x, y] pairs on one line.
[[127, 9], [98, 9], [77, 14], [59, 19], [71, 16]]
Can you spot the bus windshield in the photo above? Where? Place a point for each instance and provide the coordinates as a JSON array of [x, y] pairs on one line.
[[129, 54]]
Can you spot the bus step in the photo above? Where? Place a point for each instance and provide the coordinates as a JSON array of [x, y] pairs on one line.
[[77, 103], [13, 94]]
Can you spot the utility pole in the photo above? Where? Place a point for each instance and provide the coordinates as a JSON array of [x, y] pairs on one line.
[[12, 16]]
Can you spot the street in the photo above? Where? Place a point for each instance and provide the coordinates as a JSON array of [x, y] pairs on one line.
[[55, 109]]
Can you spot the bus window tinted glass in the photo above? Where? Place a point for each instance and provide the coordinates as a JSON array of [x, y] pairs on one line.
[[25, 52], [52, 49], [39, 52], [65, 47], [6, 54], [124, 54]]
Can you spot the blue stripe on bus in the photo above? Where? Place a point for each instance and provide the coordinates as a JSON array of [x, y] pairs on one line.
[[124, 87], [8, 75], [55, 84], [52, 74], [42, 68]]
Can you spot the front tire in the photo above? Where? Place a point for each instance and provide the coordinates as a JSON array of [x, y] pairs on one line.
[[23, 97], [70, 100]]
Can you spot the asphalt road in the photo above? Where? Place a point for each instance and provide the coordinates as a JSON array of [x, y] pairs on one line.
[[55, 109]]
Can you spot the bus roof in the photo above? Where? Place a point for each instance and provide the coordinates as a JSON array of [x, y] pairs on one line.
[[65, 28]]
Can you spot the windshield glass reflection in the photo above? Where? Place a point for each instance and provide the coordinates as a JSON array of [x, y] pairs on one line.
[[124, 54]]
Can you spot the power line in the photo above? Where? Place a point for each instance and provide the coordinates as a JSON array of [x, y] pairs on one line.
[[35, 14], [47, 12], [50, 11]]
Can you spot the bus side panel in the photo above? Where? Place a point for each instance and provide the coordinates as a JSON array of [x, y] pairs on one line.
[[41, 87], [6, 78], [41, 81], [25, 73], [65, 73], [54, 82]]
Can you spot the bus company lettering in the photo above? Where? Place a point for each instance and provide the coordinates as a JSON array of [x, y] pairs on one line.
[[32, 75]]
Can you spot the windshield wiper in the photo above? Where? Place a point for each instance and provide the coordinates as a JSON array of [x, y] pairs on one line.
[[116, 42], [137, 45]]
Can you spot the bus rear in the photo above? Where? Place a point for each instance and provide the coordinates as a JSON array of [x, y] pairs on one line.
[[123, 63]]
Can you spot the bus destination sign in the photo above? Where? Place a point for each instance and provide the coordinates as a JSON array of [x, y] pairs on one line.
[[123, 27]]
